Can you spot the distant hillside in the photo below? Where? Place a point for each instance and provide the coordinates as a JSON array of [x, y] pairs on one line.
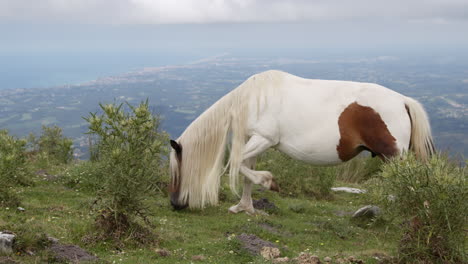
[[181, 93]]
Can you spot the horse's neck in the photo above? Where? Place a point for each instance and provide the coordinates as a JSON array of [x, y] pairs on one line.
[[208, 120]]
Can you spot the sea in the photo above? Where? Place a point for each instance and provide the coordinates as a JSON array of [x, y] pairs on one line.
[[50, 69]]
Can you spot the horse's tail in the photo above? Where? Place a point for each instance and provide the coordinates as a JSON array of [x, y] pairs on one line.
[[421, 142]]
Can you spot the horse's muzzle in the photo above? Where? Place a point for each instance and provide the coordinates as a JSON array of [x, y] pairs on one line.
[[175, 203], [178, 206]]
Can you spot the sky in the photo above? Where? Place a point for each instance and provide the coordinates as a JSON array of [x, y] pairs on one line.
[[230, 11], [223, 25]]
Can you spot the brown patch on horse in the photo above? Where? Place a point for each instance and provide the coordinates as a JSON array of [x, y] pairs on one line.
[[362, 128]]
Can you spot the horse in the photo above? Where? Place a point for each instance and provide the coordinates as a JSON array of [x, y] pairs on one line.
[[320, 122]]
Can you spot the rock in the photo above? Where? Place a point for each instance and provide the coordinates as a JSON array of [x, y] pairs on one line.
[[198, 258], [367, 212], [281, 260], [352, 259], [341, 261], [6, 243], [307, 258], [162, 252], [348, 190], [52, 240], [253, 244], [327, 259], [270, 253]]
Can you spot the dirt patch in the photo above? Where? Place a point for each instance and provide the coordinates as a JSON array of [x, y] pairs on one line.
[[274, 230], [342, 213], [71, 253], [253, 244], [264, 204], [46, 176], [7, 260]]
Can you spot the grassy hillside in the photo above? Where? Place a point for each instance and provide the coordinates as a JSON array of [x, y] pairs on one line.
[[322, 227], [296, 222], [116, 205]]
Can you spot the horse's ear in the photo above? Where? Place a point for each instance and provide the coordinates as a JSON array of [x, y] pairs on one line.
[[176, 146]]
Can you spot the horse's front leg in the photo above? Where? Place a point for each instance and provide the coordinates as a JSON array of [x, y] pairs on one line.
[[245, 204], [255, 146]]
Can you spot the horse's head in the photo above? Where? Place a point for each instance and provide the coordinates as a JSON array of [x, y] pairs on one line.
[[176, 177]]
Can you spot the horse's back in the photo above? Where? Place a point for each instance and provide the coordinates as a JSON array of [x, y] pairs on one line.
[[303, 115]]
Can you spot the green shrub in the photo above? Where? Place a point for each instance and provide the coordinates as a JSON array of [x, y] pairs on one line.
[[8, 198], [431, 197], [359, 169], [296, 178], [84, 175], [51, 148], [13, 166], [130, 151]]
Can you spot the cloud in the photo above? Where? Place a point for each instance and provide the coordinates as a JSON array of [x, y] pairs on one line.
[[228, 11]]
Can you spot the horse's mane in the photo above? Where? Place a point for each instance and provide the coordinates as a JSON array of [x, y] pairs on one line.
[[204, 143]]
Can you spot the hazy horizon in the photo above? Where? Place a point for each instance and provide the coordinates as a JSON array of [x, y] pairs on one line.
[[53, 42]]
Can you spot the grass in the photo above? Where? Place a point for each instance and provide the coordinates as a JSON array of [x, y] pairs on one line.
[[307, 218], [322, 227]]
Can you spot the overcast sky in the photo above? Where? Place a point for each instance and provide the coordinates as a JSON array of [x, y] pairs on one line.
[[96, 24], [215, 11]]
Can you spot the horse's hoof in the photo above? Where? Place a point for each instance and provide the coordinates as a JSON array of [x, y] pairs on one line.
[[274, 186], [233, 210]]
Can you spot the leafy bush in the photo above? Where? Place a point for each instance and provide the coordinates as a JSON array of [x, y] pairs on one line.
[[431, 197], [83, 175], [51, 147], [130, 151], [359, 169], [13, 169], [296, 178]]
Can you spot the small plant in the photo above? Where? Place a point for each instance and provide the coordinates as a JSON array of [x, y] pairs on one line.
[[83, 175], [51, 147], [129, 151], [13, 169], [297, 178], [359, 169], [298, 208], [431, 197]]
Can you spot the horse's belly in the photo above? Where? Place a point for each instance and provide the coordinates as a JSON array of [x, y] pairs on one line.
[[319, 151]]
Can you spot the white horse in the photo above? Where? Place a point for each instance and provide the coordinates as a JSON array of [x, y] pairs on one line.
[[316, 121]]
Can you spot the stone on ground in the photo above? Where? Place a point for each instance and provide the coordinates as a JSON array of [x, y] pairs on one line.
[[307, 258], [348, 190], [6, 243], [270, 253], [367, 212]]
